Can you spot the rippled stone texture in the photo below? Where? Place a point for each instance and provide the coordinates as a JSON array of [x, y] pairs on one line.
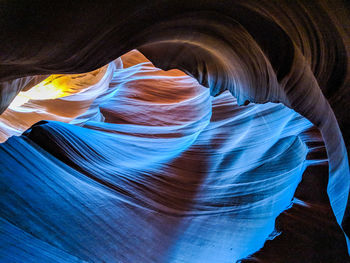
[[293, 53]]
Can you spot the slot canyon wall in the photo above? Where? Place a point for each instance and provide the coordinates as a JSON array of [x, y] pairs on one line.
[[174, 131]]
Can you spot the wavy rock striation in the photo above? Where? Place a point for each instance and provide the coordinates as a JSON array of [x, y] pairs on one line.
[[220, 174]]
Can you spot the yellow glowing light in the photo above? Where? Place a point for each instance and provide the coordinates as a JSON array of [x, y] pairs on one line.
[[58, 86], [38, 92]]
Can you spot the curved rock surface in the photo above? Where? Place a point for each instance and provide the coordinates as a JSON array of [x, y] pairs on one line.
[[196, 178]]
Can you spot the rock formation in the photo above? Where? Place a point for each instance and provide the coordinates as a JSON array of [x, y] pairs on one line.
[[237, 150]]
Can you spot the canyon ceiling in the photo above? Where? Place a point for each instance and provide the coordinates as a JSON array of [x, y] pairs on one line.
[[174, 131]]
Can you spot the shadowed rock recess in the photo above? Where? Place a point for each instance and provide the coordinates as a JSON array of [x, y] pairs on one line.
[[174, 131]]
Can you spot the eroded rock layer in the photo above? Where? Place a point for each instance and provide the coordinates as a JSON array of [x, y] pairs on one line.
[[134, 155]]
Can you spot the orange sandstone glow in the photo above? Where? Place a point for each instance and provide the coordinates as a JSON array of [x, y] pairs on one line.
[[58, 86]]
